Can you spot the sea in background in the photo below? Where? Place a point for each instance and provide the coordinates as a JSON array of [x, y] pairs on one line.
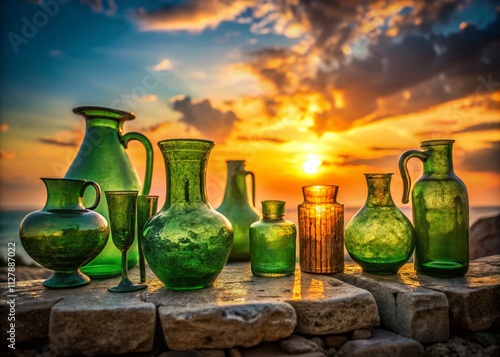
[[10, 221]]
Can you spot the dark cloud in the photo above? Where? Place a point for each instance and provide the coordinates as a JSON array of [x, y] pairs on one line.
[[58, 142], [432, 67], [263, 138], [480, 127], [483, 160], [212, 122], [381, 161]]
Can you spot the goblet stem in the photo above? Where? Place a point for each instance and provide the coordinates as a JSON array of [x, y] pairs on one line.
[[142, 262]]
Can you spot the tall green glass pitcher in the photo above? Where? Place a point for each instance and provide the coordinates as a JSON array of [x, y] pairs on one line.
[[102, 158], [440, 211], [238, 209]]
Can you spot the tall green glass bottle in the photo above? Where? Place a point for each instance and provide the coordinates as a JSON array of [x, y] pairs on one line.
[[440, 211], [272, 242]]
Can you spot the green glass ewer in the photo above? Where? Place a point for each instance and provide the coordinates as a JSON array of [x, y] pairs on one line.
[[64, 235], [187, 243], [440, 208], [102, 158], [237, 208]]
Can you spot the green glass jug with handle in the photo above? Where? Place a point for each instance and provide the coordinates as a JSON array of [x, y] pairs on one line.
[[102, 158], [440, 208], [238, 209]]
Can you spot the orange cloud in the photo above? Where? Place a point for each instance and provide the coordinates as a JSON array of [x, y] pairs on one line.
[[192, 15]]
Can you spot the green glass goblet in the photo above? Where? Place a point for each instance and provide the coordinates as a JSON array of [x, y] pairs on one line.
[[146, 208], [122, 213]]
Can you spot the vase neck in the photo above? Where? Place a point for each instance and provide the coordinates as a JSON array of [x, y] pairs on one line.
[[186, 163], [236, 187], [379, 190], [63, 194], [439, 160]]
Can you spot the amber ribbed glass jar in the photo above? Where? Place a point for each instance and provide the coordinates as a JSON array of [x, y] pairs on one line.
[[321, 230]]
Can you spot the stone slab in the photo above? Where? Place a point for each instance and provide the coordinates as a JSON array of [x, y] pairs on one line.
[[474, 300], [411, 311], [322, 304], [383, 343], [32, 306], [100, 322]]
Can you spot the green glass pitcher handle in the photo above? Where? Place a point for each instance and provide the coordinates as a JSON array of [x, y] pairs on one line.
[[97, 193], [253, 185], [149, 157], [403, 169]]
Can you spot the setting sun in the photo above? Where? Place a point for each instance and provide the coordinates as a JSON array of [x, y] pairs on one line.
[[311, 165]]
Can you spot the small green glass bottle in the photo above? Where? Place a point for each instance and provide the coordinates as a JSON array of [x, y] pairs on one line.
[[273, 242]]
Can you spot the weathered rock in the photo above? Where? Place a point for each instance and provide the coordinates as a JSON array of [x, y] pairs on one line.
[[335, 341], [320, 305], [319, 341], [484, 237], [226, 326], [361, 334], [194, 353], [383, 343], [411, 311], [474, 300], [33, 304], [457, 347], [272, 349], [298, 344], [102, 323], [331, 307]]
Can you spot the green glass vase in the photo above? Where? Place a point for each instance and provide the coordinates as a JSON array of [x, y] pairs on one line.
[[321, 230], [379, 237], [64, 235], [272, 242], [237, 208], [187, 243], [102, 158], [440, 208]]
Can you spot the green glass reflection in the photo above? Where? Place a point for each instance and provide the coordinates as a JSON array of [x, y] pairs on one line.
[[187, 243], [440, 208], [272, 242], [379, 237]]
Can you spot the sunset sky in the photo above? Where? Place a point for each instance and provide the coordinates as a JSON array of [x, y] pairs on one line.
[[308, 92]]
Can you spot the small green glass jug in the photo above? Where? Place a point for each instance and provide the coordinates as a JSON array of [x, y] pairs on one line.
[[238, 209], [64, 235], [440, 211], [102, 158]]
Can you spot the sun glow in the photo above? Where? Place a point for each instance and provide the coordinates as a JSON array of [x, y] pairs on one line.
[[311, 164]]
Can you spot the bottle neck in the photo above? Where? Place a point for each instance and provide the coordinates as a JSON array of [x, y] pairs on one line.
[[236, 187], [63, 194], [379, 190], [439, 160]]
